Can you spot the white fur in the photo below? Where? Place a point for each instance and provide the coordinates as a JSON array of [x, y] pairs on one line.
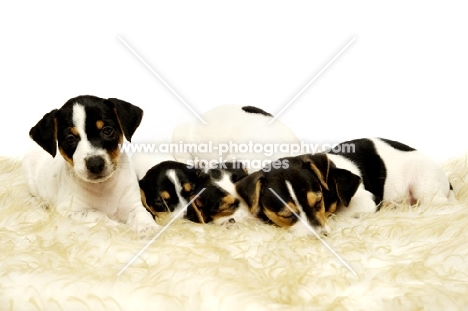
[[67, 187], [230, 124], [171, 175], [410, 175]]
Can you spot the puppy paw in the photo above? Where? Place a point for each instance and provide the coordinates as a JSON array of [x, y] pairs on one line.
[[145, 224]]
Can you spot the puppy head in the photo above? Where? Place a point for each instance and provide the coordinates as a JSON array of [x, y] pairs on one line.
[[167, 187], [311, 186], [88, 131], [219, 202]]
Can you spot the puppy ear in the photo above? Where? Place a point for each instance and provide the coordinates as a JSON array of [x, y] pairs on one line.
[[44, 133], [197, 206], [129, 116], [249, 189], [320, 164], [346, 184]]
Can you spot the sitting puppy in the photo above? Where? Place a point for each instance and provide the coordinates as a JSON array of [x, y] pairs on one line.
[[91, 179], [313, 186], [233, 131], [169, 186]]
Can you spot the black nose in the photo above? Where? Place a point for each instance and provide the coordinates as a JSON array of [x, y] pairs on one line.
[[95, 164], [232, 221]]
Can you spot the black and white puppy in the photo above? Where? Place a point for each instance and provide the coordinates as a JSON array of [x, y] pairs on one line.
[[169, 186], [229, 128], [90, 179], [359, 178]]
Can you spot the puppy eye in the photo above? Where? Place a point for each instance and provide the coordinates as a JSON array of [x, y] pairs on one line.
[[107, 131], [290, 216], [70, 139]]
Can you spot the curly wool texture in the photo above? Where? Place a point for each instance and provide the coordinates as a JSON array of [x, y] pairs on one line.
[[406, 258]]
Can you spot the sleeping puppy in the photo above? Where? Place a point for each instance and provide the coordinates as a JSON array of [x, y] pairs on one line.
[[90, 179], [232, 131], [313, 186], [169, 186]]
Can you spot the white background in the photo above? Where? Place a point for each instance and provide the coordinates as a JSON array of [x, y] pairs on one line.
[[405, 76]]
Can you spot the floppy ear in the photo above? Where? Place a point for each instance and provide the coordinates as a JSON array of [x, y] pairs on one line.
[[44, 133], [346, 184], [197, 205], [129, 116], [249, 189], [320, 164]]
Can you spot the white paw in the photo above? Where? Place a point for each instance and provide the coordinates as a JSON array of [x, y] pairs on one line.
[[299, 229], [144, 223]]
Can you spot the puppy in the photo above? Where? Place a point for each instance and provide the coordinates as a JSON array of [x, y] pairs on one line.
[[170, 185], [344, 181], [90, 179], [232, 131]]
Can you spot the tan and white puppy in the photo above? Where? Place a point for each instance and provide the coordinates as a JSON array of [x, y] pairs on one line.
[[91, 179]]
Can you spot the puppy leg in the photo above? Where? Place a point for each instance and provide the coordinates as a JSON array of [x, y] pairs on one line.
[[90, 216], [140, 220], [361, 202], [299, 229], [431, 186]]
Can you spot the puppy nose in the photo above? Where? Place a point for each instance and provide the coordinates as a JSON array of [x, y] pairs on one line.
[[95, 164], [232, 221]]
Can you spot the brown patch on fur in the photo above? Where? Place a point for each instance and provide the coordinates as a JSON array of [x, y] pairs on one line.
[[64, 155], [320, 215], [99, 124], [165, 195], [187, 187], [74, 131], [255, 198], [227, 207], [284, 218], [322, 176], [195, 204], [145, 204], [162, 215], [313, 197], [228, 200], [331, 209], [115, 153]]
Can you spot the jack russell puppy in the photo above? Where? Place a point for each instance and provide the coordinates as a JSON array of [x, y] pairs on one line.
[[169, 186], [348, 181], [235, 133], [90, 179]]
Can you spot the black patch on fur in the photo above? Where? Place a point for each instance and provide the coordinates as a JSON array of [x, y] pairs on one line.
[[119, 118], [397, 145], [96, 109], [43, 133], [369, 163], [252, 109], [235, 170]]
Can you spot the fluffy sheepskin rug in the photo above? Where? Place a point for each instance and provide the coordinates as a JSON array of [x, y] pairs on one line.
[[406, 258]]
